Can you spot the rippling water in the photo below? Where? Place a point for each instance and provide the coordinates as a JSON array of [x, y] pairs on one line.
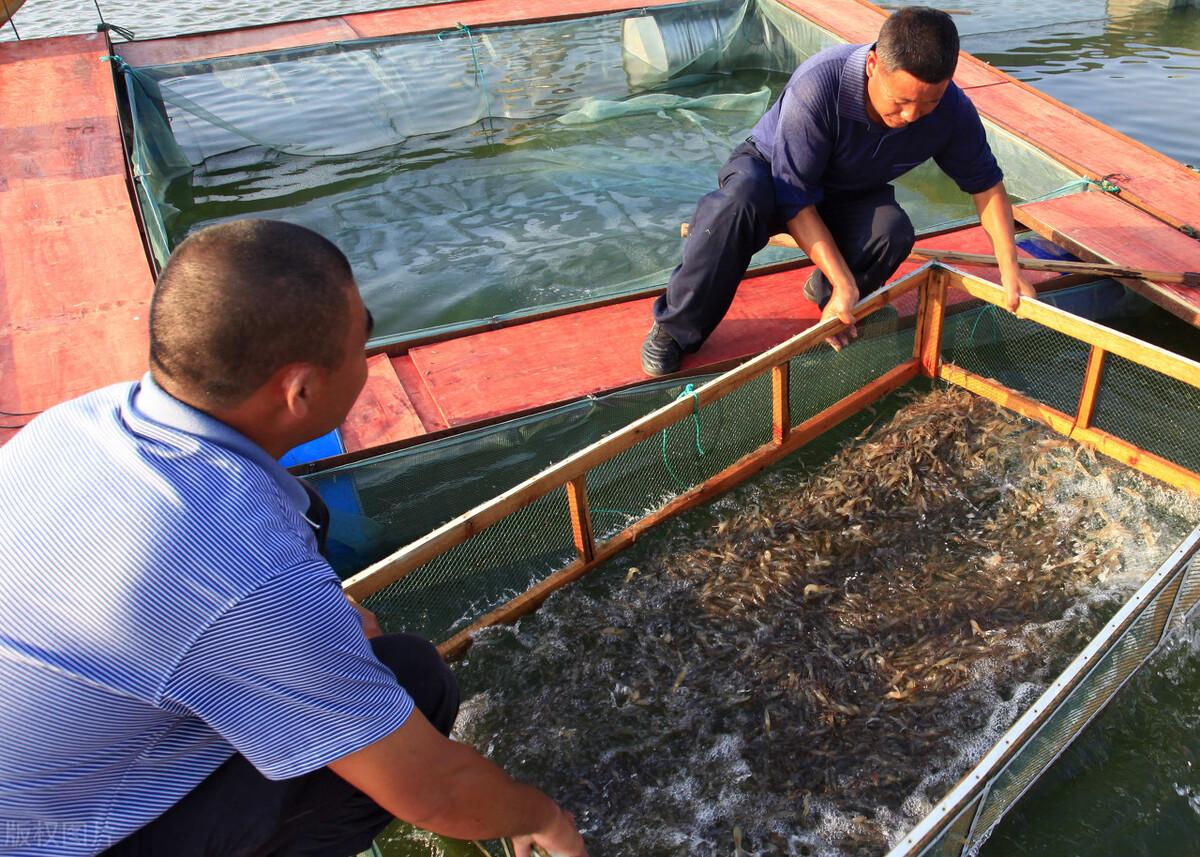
[[1123, 61], [1131, 785]]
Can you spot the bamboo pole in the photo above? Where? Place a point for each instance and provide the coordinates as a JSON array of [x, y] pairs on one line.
[[1090, 269], [738, 472], [458, 530], [1093, 269]]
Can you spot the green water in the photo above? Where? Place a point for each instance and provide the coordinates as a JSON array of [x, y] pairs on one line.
[[491, 173], [1131, 785]]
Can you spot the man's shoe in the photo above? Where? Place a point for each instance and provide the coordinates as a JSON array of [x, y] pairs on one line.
[[818, 293], [661, 355]]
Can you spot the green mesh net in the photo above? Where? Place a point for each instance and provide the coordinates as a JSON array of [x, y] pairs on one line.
[[473, 174]]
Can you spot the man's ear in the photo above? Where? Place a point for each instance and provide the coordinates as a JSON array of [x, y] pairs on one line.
[[296, 384], [872, 61]]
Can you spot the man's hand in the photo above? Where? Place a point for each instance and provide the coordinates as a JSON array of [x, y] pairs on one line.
[[841, 306], [1015, 288], [562, 839], [996, 217], [370, 624]]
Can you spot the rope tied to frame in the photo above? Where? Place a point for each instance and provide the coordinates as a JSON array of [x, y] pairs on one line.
[[480, 79], [104, 26], [1106, 183], [990, 312], [689, 390], [117, 61]]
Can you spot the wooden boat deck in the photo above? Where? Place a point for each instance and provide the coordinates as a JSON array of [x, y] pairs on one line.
[[76, 280], [501, 373]]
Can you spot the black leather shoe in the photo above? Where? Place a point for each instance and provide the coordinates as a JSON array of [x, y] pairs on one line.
[[818, 294], [661, 355]]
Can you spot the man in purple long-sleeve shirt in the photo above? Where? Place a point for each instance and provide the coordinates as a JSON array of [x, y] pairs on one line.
[[819, 165]]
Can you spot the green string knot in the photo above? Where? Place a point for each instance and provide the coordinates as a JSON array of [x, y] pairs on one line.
[[689, 390]]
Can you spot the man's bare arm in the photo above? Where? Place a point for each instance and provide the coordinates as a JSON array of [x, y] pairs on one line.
[[420, 776], [815, 240], [996, 217]]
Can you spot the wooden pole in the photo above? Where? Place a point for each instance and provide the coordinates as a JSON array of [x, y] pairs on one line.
[[781, 402], [932, 311], [1094, 269], [581, 518], [1091, 386], [1091, 269]]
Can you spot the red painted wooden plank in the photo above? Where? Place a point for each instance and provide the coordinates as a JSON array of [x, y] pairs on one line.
[[74, 278], [383, 413], [1100, 227], [1085, 145], [506, 371], [56, 359], [223, 43], [439, 16], [415, 19], [422, 400], [55, 82], [562, 358]]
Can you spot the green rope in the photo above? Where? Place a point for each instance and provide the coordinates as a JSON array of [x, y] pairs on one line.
[[990, 312], [1105, 184], [117, 61], [689, 390], [479, 76]]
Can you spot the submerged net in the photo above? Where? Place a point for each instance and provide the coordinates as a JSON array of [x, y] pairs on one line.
[[808, 666], [473, 174]]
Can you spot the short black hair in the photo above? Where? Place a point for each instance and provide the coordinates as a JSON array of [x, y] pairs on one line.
[[238, 301], [921, 41]]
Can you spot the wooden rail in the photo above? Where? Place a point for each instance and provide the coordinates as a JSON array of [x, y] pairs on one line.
[[732, 476], [933, 280], [411, 557], [1103, 341]]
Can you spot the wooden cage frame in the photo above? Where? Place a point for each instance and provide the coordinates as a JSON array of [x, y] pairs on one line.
[[967, 812], [931, 281]]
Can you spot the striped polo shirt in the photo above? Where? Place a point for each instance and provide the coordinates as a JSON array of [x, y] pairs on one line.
[[162, 606]]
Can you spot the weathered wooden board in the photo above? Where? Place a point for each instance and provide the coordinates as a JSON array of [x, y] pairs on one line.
[[1100, 227]]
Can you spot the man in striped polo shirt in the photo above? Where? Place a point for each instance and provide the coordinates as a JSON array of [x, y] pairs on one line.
[[182, 673]]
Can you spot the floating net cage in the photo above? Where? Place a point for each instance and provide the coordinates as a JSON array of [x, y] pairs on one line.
[[500, 172], [1101, 388]]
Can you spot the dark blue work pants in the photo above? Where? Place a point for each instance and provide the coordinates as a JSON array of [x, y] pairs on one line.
[[733, 223]]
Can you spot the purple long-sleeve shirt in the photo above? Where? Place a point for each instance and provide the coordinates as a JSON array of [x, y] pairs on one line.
[[820, 140]]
